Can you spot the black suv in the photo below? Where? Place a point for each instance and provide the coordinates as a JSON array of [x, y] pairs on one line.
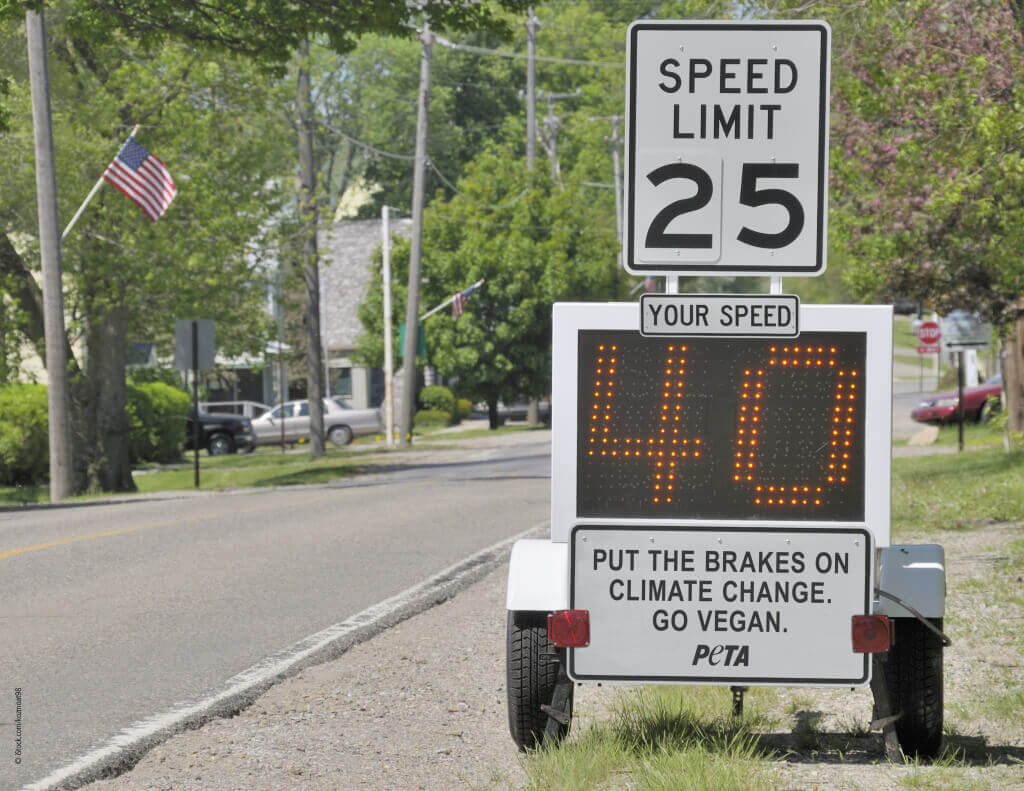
[[221, 433]]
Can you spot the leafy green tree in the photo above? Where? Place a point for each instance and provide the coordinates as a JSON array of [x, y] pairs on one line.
[[212, 119], [533, 244]]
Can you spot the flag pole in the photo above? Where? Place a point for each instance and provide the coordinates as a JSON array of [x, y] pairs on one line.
[[448, 301], [89, 197]]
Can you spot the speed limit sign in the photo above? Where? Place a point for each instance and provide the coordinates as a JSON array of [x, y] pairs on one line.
[[727, 148]]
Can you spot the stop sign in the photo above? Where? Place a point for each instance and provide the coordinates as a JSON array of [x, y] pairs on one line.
[[929, 332]]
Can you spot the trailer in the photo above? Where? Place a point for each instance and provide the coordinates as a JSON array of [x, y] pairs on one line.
[[720, 515]]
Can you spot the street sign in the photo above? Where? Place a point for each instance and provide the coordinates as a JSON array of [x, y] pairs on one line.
[[962, 330], [720, 604], [929, 333], [708, 315], [202, 344], [726, 148]]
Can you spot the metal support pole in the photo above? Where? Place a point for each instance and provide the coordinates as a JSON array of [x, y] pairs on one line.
[[195, 400], [960, 396], [389, 362], [737, 700]]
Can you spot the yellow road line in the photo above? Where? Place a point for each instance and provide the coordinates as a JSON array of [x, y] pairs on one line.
[[122, 531]]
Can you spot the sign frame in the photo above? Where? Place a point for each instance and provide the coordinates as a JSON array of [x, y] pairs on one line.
[[777, 261], [875, 321]]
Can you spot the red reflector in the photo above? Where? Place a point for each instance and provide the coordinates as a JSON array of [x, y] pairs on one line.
[[569, 628], [871, 634]]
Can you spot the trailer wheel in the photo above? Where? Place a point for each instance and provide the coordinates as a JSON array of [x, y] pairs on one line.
[[913, 675], [531, 674]]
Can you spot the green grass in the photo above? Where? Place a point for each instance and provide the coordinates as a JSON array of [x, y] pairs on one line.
[[957, 491], [268, 466], [975, 434], [661, 739]]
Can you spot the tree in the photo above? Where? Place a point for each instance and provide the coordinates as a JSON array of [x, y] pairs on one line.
[[533, 244], [127, 278], [927, 169]]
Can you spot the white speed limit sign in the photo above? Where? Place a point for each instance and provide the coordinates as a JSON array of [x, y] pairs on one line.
[[727, 148]]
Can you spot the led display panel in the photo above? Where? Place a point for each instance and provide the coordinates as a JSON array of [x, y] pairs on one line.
[[717, 428]]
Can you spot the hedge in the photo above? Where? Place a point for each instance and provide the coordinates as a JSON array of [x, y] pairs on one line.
[[439, 398], [156, 425], [431, 418], [463, 409], [156, 420], [24, 435]]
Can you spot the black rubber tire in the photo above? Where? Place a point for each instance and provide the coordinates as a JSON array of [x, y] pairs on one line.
[[913, 674], [220, 445], [340, 435], [531, 673]]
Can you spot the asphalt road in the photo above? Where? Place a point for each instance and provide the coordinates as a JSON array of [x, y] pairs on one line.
[[112, 613]]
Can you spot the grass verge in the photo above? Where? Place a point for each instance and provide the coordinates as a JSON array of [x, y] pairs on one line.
[[954, 491], [267, 466]]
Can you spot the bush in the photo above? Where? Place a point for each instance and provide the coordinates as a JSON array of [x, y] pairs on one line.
[[437, 398], [432, 418], [156, 420], [24, 434], [463, 409]]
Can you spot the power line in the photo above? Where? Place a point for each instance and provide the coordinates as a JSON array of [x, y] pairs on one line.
[[518, 56]]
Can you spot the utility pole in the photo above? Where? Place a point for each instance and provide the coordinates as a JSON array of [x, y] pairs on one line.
[[531, 89], [615, 141], [310, 264], [389, 363], [551, 123], [412, 306], [58, 400]]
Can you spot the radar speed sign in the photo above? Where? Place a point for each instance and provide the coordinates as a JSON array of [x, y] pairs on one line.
[[726, 148]]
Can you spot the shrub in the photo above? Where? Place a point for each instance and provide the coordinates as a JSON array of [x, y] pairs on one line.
[[24, 434], [156, 419], [463, 409], [437, 398], [432, 418]]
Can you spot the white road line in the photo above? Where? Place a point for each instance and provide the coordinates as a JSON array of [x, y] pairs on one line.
[[128, 746]]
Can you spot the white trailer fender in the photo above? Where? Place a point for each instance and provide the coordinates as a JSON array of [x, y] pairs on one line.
[[538, 576], [915, 573]]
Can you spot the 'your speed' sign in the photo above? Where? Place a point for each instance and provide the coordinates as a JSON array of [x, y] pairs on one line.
[[727, 147]]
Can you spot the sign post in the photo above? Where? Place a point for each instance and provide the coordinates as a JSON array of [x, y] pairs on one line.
[[726, 148], [194, 350]]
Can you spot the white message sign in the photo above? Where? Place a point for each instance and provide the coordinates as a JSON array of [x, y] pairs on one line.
[[728, 605], [712, 315], [726, 147]]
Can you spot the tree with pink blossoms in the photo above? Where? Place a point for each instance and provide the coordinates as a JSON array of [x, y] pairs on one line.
[[927, 175]]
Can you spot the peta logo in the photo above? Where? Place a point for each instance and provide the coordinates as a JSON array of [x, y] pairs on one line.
[[725, 655]]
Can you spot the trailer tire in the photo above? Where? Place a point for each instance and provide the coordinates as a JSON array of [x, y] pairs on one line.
[[914, 677], [531, 673]]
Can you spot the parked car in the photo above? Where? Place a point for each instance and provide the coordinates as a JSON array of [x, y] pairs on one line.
[[341, 423], [515, 411], [980, 403], [220, 433]]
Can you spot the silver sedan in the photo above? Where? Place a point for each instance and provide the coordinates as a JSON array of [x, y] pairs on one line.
[[289, 422]]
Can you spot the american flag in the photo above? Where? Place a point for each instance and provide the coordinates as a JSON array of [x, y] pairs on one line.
[[142, 177], [459, 300]]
